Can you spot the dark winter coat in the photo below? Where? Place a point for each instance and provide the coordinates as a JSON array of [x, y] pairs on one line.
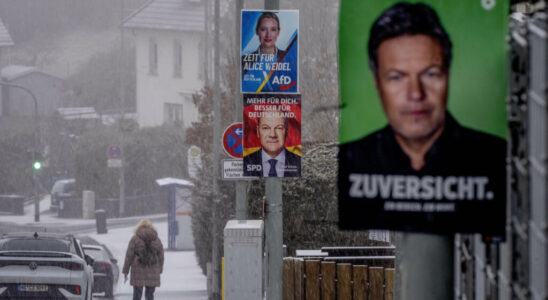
[[142, 275]]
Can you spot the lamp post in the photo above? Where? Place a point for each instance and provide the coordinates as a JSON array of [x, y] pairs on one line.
[[35, 137]]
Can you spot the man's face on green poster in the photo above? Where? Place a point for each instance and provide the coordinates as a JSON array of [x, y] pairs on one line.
[[412, 83]]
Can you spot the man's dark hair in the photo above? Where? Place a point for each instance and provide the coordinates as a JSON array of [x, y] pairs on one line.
[[405, 18]]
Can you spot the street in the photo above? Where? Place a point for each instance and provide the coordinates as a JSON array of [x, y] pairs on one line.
[[182, 277]]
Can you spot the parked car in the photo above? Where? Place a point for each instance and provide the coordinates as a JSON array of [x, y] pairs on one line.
[[62, 189], [105, 269], [44, 266]]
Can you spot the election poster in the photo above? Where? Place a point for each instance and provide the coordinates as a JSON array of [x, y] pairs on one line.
[[272, 135], [270, 51], [422, 120]]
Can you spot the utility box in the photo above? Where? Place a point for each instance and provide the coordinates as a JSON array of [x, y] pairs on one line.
[[243, 248], [88, 204]]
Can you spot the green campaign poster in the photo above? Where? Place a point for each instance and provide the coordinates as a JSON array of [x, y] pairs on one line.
[[423, 117]]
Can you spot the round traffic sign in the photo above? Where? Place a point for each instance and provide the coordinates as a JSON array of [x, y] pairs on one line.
[[114, 152], [233, 140]]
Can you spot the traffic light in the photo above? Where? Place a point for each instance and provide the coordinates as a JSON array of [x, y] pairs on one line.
[[37, 160]]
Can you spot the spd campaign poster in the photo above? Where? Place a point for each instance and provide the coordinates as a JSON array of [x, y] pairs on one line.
[[270, 51], [423, 120], [272, 135]]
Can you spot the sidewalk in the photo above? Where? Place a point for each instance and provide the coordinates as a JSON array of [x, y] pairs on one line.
[[51, 223], [182, 277]]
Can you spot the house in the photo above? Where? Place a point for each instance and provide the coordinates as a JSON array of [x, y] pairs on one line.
[[5, 39], [16, 101], [170, 57]]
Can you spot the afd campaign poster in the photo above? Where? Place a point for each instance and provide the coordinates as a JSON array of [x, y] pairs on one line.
[[423, 120], [272, 135], [270, 51]]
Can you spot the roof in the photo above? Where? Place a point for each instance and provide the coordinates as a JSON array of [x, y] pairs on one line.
[[72, 113], [169, 181], [12, 72], [89, 246], [179, 15], [38, 234], [69, 180], [5, 38]]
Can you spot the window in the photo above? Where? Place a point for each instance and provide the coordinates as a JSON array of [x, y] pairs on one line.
[[153, 57], [177, 59], [173, 113], [27, 244]]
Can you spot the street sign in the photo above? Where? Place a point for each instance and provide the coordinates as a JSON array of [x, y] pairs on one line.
[[233, 169], [114, 163], [194, 160], [114, 152], [232, 140], [379, 235]]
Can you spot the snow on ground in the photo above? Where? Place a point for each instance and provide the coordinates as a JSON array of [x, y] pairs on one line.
[[47, 217], [181, 270], [182, 277]]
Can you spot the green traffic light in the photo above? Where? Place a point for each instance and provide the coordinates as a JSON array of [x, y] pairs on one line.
[[37, 165]]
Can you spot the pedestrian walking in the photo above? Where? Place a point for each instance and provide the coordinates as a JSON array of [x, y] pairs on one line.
[[145, 259]]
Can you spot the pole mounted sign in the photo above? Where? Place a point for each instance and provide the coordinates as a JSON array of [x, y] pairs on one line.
[[114, 154], [269, 51], [194, 160], [232, 140], [234, 169]]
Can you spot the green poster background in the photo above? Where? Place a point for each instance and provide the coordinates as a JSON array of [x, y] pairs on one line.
[[478, 73]]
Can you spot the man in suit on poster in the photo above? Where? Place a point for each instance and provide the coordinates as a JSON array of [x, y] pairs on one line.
[[273, 159]]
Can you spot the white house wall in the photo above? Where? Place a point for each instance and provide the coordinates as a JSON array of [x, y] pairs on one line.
[[155, 90]]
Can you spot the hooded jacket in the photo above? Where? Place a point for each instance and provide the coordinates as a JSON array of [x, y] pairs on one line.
[[142, 275]]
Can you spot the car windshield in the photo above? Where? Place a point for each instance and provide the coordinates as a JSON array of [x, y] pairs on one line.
[[61, 187], [57, 187], [35, 245], [96, 253]]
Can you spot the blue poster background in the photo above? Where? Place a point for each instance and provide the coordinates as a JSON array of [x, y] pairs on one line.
[[268, 73]]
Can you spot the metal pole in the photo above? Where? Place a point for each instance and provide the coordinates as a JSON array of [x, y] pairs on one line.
[[274, 223], [425, 266], [206, 43], [274, 238], [35, 137], [215, 253], [241, 185], [122, 183]]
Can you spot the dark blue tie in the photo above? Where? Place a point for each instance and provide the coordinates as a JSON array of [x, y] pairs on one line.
[[272, 172]]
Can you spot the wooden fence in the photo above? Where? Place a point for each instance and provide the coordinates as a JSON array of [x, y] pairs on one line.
[[327, 280]]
